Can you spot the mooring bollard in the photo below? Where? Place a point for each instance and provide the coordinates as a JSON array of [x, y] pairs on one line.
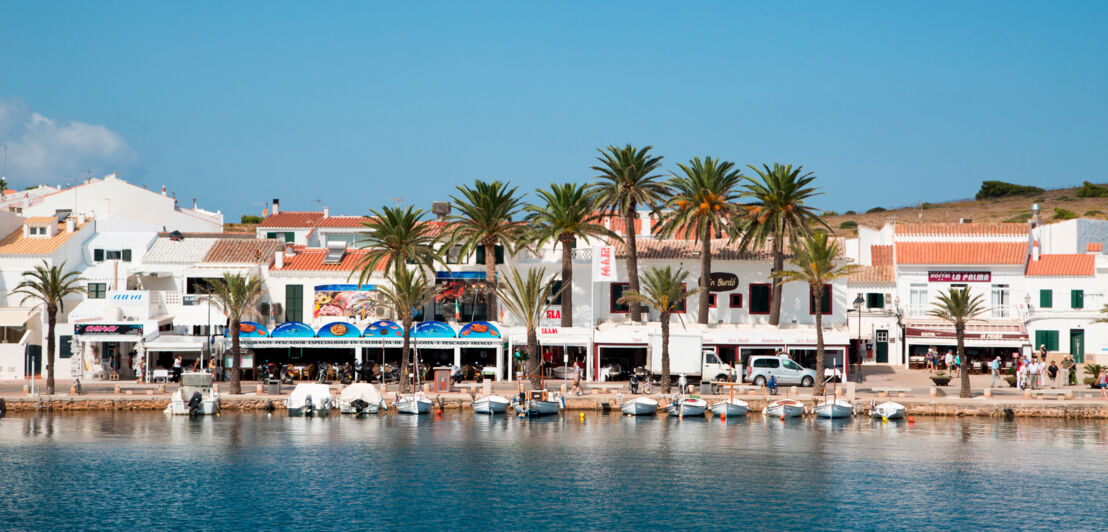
[[259, 389], [116, 390], [161, 388], [988, 392]]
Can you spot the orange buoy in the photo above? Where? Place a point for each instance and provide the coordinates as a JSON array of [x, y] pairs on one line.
[[722, 418]]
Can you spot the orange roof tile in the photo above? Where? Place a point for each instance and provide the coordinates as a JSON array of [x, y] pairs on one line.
[[292, 219], [41, 220], [688, 249], [1062, 265], [232, 250], [1094, 247], [17, 244], [957, 229], [874, 275], [312, 260], [961, 252], [881, 255], [342, 221]]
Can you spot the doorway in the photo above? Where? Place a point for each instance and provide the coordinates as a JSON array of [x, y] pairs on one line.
[[882, 347], [1077, 345]]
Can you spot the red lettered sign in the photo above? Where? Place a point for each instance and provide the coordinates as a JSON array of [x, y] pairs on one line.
[[553, 314], [959, 277]]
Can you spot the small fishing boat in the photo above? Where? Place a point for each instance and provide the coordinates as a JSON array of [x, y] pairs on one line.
[[731, 407], [360, 398], [888, 410], [834, 408], [786, 408], [639, 406], [490, 404], [309, 399], [540, 403], [195, 397], [687, 406], [414, 404]]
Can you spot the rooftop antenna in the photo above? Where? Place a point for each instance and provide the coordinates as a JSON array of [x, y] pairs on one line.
[[317, 202], [4, 172]]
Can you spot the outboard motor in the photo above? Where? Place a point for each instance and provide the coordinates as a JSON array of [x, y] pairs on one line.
[[3, 407], [286, 375], [347, 375], [634, 383], [269, 406], [359, 406], [309, 408], [195, 402]]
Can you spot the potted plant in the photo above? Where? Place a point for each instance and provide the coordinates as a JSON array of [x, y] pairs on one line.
[[940, 379], [1010, 377], [1093, 372]]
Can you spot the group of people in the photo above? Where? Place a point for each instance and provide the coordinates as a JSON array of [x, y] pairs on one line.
[[1034, 372], [951, 361]]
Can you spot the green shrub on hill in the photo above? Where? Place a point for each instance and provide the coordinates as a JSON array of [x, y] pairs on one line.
[[1063, 214], [1000, 189], [876, 209], [848, 213], [1089, 190], [1065, 198], [849, 224], [1094, 213], [1019, 218], [830, 213], [251, 219]]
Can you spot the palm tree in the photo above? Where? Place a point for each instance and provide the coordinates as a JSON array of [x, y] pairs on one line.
[[778, 212], [237, 295], [814, 257], [626, 182], [663, 289], [49, 286], [484, 219], [526, 298], [569, 213], [703, 201], [396, 237], [958, 307], [408, 290]]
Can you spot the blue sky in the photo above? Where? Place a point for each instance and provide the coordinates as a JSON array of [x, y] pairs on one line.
[[356, 103]]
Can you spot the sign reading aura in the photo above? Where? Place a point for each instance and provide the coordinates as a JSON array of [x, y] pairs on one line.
[[959, 277], [722, 282], [125, 329]]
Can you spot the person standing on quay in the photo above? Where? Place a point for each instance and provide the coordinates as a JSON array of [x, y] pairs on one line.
[[1033, 374], [1102, 379], [1067, 365], [1053, 372], [994, 370], [929, 360], [1021, 370], [948, 360]]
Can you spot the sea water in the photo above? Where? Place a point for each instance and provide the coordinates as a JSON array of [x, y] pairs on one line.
[[604, 472]]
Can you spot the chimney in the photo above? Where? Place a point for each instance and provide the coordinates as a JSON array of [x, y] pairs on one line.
[[644, 231], [326, 212], [1035, 251], [279, 259], [276, 206], [1035, 210], [69, 225], [163, 190], [194, 204], [1094, 248]]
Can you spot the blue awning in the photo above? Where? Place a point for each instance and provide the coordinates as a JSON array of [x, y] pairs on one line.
[[479, 329], [433, 329], [293, 329], [339, 329]]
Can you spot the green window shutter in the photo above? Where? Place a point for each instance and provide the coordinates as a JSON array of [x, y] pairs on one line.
[[1077, 299], [875, 300], [500, 254], [1052, 341], [294, 302], [1046, 298], [65, 347], [1040, 339], [290, 237], [126, 255], [98, 255], [480, 254], [271, 235]]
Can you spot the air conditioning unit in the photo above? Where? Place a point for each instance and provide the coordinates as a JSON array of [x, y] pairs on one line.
[[382, 312]]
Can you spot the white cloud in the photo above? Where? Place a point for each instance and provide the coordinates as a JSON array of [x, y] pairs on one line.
[[46, 150]]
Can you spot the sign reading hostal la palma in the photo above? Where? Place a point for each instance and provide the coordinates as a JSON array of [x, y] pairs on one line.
[[959, 277]]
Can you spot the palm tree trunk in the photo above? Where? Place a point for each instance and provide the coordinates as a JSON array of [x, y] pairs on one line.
[[51, 322], [567, 283], [635, 309], [960, 333], [236, 360], [705, 273], [534, 360], [405, 355], [665, 352], [820, 358], [490, 278], [778, 265]]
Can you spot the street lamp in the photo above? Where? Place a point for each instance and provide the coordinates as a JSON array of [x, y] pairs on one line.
[[858, 302]]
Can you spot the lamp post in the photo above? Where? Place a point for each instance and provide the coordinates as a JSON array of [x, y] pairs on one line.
[[858, 302]]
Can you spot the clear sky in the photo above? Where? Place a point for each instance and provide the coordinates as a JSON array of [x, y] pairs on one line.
[[356, 103]]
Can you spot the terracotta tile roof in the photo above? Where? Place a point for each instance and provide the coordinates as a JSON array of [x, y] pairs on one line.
[[615, 223], [342, 221], [233, 250], [1075, 265], [688, 249], [1096, 247], [957, 229], [961, 252], [41, 220], [292, 219], [873, 275], [17, 244], [165, 234], [881, 255], [312, 260]]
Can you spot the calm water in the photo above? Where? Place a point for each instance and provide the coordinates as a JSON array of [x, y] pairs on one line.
[[258, 472]]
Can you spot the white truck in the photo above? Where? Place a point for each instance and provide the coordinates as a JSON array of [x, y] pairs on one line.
[[688, 356]]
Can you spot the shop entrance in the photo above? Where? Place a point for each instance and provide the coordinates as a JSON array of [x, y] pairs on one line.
[[618, 363], [882, 349]]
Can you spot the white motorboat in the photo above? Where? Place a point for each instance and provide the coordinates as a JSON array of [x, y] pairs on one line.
[[490, 404], [310, 399], [360, 398], [639, 406], [541, 403], [834, 408], [786, 408], [888, 410], [195, 397], [413, 404], [687, 406], [731, 407]]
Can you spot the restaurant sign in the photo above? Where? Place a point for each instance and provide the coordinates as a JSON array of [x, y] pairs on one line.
[[722, 282], [959, 277], [124, 329]]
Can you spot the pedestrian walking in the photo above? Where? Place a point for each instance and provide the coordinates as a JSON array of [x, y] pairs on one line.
[[932, 355], [1033, 374], [1021, 373], [1052, 371], [994, 370], [1103, 380], [177, 362], [948, 361]]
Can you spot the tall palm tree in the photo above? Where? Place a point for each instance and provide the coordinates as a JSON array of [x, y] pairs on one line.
[[49, 286], [485, 219], [569, 212], [663, 289], [814, 257], [703, 201], [526, 298], [957, 306], [777, 212], [396, 237], [626, 182], [408, 290], [237, 295]]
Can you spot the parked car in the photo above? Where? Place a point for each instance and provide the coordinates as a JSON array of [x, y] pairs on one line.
[[759, 369]]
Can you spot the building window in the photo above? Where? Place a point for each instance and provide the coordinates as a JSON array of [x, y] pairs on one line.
[[288, 236], [711, 301], [100, 255], [760, 296], [294, 302], [1000, 301], [736, 301], [617, 292], [499, 254], [556, 293], [1046, 298], [875, 300], [917, 303], [38, 231], [1047, 338], [1077, 299], [97, 290], [65, 346], [825, 303]]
